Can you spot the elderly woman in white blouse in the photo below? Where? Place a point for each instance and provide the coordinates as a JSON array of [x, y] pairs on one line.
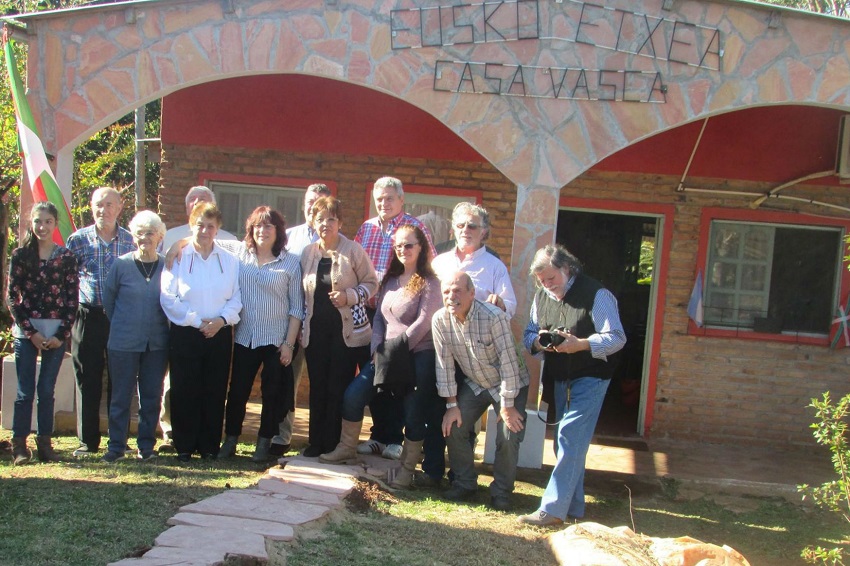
[[201, 297]]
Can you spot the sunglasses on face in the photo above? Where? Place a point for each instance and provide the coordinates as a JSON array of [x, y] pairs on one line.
[[400, 247], [470, 225]]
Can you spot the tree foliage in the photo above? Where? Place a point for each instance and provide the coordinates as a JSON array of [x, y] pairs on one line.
[[840, 8]]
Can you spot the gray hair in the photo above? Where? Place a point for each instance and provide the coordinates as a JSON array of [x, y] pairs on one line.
[[320, 189], [389, 182], [472, 209], [199, 189], [557, 256], [147, 219], [107, 191]]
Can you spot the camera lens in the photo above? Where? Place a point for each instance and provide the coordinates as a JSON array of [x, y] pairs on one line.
[[546, 339]]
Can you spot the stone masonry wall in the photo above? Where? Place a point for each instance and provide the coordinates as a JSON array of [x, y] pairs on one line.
[[718, 389], [354, 175]]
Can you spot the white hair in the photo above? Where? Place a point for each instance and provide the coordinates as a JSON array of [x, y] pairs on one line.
[[147, 219], [199, 189]]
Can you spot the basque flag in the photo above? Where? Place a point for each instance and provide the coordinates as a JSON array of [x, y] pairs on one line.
[[695, 304], [42, 182]]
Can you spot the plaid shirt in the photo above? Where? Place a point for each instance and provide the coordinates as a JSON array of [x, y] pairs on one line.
[[378, 243], [484, 348], [95, 257]]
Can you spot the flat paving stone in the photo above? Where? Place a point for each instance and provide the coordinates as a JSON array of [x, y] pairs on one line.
[[332, 469], [265, 508], [210, 557], [299, 492], [268, 529], [162, 562], [223, 541], [315, 479]]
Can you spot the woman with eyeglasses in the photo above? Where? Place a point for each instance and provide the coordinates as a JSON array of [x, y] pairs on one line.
[[403, 353], [338, 279], [200, 296], [138, 338]]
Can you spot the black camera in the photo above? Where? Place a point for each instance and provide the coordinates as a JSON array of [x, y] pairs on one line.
[[550, 339]]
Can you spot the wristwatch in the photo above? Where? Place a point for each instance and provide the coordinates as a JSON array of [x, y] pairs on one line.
[[451, 405]]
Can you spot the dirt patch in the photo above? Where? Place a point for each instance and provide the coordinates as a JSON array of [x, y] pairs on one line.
[[366, 495]]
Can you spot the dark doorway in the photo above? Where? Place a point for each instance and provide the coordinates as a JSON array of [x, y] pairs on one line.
[[619, 251]]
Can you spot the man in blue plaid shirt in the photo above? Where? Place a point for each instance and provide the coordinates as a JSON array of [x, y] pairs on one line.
[[96, 248]]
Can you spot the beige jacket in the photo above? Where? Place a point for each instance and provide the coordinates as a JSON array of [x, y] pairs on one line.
[[351, 272]]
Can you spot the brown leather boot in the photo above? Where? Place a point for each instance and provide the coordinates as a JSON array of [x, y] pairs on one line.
[[20, 452], [410, 456], [44, 449], [346, 451]]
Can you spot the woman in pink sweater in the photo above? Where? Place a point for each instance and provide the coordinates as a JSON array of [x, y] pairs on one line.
[[404, 359], [338, 280]]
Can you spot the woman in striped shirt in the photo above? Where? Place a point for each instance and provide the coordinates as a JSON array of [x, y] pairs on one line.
[[272, 310]]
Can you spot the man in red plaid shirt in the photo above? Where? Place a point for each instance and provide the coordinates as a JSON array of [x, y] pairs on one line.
[[376, 237]]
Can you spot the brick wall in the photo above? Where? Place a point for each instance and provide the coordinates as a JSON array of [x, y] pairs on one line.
[[719, 389], [354, 175]]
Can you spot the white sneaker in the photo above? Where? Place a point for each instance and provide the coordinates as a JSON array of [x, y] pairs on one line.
[[392, 452], [371, 447]]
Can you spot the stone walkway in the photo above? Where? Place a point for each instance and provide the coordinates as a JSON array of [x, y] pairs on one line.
[[252, 526]]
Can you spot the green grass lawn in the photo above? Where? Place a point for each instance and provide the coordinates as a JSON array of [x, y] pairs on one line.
[[85, 512]]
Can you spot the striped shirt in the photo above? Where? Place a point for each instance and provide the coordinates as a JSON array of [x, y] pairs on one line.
[[271, 294], [299, 237], [483, 347], [95, 258], [610, 336]]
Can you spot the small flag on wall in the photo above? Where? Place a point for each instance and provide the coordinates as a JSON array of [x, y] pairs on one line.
[[695, 304], [42, 182]]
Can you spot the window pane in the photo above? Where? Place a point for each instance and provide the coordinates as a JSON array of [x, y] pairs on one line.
[[804, 278], [757, 243], [726, 239], [723, 275], [753, 277], [785, 276]]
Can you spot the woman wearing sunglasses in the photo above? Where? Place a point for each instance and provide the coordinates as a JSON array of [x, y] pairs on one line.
[[403, 355]]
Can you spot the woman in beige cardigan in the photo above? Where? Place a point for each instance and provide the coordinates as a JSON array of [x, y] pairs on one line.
[[338, 280]]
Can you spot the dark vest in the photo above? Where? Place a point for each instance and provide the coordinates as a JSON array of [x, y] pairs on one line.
[[572, 313]]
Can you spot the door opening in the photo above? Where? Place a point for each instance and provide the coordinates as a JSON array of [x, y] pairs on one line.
[[619, 251]]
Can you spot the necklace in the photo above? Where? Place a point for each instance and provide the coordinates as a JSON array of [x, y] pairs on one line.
[[148, 272]]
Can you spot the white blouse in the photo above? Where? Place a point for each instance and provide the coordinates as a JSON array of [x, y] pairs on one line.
[[196, 288]]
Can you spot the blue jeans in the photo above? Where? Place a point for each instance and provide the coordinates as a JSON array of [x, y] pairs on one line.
[[564, 494], [421, 406], [26, 355], [129, 371], [461, 454]]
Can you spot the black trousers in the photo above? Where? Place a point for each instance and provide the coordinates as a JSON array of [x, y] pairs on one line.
[[331, 365], [88, 350], [200, 369], [276, 386]]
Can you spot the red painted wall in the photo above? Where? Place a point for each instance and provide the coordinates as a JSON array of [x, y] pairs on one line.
[[769, 143], [299, 113], [306, 114]]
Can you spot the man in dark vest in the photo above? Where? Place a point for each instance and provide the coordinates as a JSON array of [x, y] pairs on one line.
[[575, 325]]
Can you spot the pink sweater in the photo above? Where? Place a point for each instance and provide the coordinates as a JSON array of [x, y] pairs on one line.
[[399, 313]]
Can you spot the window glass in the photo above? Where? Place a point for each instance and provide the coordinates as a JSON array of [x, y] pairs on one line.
[[772, 278], [237, 201]]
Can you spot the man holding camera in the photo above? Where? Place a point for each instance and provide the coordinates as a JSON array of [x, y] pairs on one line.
[[575, 324]]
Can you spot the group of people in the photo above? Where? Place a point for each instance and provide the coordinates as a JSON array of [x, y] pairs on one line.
[[382, 321]]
